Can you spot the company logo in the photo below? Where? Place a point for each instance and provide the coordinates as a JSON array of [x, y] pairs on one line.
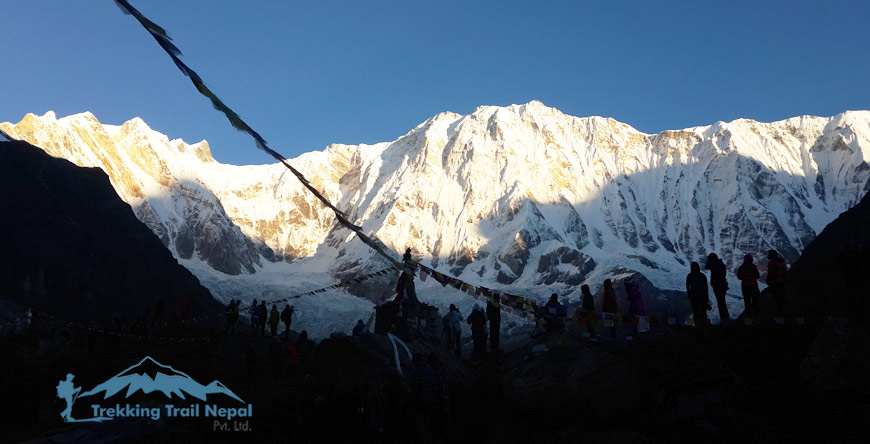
[[149, 377]]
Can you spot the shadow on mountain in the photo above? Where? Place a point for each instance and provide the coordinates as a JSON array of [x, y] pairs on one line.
[[204, 230], [72, 248]]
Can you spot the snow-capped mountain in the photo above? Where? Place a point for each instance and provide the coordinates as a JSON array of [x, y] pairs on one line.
[[521, 196]]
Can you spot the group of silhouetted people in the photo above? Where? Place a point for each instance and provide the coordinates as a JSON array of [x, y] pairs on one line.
[[260, 316], [747, 273], [478, 319]]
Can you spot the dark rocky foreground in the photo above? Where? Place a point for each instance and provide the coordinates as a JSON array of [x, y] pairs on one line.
[[71, 247], [716, 384]]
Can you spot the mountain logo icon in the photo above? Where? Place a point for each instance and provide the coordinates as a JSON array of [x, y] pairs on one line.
[[147, 376]]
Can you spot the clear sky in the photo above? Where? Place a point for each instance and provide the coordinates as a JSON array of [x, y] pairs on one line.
[[309, 73]]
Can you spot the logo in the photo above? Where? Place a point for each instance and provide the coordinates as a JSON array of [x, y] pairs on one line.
[[145, 380]]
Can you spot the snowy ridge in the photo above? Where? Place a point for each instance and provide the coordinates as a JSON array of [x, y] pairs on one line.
[[521, 197]]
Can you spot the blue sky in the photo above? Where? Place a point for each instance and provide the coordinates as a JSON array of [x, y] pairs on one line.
[[309, 73]]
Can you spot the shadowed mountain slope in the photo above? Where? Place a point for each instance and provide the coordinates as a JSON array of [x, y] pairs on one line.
[[72, 248]]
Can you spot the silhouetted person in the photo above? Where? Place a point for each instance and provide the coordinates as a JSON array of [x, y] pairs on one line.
[[360, 328], [255, 318], [493, 315], [405, 286], [554, 313], [609, 304], [719, 283], [776, 270], [636, 306], [454, 319], [748, 275], [301, 353], [588, 305], [477, 320], [287, 319], [274, 319], [68, 392], [699, 296], [263, 312]]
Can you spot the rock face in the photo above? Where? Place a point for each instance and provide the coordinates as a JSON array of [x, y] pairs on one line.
[[73, 249], [524, 195]]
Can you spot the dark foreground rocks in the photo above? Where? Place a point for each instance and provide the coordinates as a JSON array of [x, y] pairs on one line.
[[718, 384]]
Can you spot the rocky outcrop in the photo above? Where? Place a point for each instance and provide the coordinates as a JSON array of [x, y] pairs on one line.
[[833, 274], [75, 250]]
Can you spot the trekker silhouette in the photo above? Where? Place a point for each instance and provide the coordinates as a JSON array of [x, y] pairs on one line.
[[287, 319], [67, 391], [274, 318], [359, 328], [477, 320], [588, 304], [263, 312], [609, 304], [748, 275], [636, 306], [301, 354], [405, 285], [454, 319], [553, 314], [255, 318], [719, 283], [699, 296], [776, 270]]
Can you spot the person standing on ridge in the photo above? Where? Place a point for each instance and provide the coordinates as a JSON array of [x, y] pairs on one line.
[[554, 312], [719, 283], [274, 318], [359, 328], [776, 270], [636, 306], [698, 292], [454, 318], [287, 318], [264, 316], [477, 320], [748, 275], [608, 304], [493, 315]]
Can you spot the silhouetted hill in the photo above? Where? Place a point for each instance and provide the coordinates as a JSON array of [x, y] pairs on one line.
[[71, 247], [832, 276]]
